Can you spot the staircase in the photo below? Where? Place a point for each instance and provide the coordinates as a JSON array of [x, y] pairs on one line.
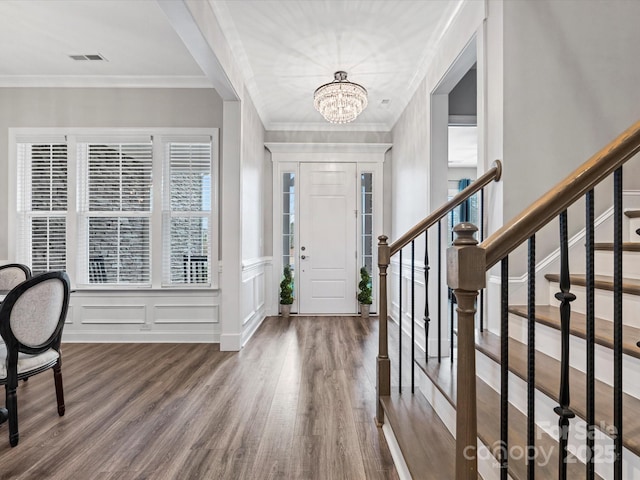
[[567, 363], [418, 428]]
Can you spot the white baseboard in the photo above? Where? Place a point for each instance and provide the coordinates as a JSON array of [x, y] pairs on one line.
[[230, 342], [250, 328], [140, 337]]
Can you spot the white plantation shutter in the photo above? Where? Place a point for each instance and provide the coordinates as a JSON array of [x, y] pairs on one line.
[[42, 205], [114, 223], [187, 213], [85, 203]]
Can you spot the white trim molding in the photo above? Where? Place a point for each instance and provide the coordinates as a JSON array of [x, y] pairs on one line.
[[341, 148]]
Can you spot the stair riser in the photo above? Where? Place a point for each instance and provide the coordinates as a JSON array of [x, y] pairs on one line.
[[634, 225], [603, 304], [548, 342], [547, 420], [630, 263]]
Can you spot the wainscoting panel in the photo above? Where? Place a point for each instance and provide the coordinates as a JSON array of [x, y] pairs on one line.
[[69, 318], [254, 294], [143, 316], [185, 314], [113, 314]]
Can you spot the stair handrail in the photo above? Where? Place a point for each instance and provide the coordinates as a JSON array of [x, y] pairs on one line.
[[493, 174], [584, 178]]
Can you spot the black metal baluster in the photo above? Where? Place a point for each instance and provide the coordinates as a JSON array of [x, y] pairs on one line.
[[400, 325], [504, 369], [439, 291], [427, 320], [590, 320], [531, 360], [481, 238], [617, 322], [413, 320], [565, 297]]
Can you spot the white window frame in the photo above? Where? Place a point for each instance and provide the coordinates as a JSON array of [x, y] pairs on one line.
[[84, 214], [169, 214], [25, 212], [160, 136]]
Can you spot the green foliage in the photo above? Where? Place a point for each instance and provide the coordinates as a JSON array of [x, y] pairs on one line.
[[286, 287], [364, 296]]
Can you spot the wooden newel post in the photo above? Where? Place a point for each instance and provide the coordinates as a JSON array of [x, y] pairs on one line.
[[466, 266], [383, 365]]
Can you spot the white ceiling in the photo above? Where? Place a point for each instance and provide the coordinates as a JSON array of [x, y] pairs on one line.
[[285, 50], [135, 36]]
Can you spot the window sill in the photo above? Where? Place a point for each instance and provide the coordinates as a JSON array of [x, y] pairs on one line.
[[137, 291]]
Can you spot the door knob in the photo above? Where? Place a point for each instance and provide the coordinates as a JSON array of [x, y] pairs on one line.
[[303, 257]]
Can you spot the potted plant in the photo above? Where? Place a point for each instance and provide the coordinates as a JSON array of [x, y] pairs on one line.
[[286, 292], [364, 295]]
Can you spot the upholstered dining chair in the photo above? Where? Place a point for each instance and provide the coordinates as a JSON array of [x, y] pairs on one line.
[[12, 274], [32, 317]]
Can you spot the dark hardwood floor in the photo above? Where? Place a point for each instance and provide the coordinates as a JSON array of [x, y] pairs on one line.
[[296, 403]]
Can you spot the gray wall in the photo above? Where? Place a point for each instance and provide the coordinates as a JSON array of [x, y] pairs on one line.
[[98, 107], [253, 183], [570, 86], [463, 99]]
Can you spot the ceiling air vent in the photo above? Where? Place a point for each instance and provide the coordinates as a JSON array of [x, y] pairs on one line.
[[91, 56]]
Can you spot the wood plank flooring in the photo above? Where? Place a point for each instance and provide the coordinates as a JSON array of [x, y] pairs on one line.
[[296, 403]]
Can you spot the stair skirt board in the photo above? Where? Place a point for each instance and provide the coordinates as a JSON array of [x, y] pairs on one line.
[[396, 453], [548, 342], [547, 420]]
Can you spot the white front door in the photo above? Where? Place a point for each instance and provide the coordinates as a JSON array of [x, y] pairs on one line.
[[327, 268]]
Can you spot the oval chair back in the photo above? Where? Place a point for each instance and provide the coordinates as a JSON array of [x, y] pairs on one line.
[[12, 274], [32, 317]]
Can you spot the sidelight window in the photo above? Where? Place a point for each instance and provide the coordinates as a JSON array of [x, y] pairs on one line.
[[288, 219]]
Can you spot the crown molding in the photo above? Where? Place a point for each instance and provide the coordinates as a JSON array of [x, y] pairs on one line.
[[326, 127], [287, 147]]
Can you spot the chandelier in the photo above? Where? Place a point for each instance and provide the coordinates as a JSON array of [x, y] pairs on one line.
[[340, 101]]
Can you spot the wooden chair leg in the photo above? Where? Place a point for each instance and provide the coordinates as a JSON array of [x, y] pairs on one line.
[[12, 407], [57, 377]]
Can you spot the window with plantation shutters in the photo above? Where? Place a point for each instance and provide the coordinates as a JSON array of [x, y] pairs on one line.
[[115, 213], [42, 205], [187, 213], [116, 208]]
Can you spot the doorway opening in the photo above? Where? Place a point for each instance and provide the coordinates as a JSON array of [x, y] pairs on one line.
[[455, 163]]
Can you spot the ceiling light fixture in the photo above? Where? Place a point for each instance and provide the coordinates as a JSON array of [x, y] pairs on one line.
[[340, 101]]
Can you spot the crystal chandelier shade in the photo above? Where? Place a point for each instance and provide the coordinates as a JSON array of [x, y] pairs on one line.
[[340, 101]]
